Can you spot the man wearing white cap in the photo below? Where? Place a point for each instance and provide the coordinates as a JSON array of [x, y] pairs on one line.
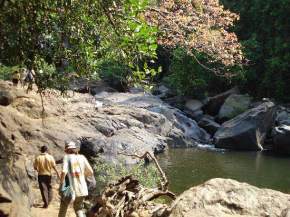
[[76, 167]]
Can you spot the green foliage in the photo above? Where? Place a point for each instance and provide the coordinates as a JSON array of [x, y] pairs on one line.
[[73, 36], [114, 72], [106, 173], [7, 71], [49, 77], [264, 31], [188, 77]]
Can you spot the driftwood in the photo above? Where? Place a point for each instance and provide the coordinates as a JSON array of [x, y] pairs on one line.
[[128, 198]]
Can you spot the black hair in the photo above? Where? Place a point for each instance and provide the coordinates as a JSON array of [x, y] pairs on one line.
[[43, 149]]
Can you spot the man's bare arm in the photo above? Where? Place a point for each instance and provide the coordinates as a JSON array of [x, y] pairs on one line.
[[57, 173], [62, 177]]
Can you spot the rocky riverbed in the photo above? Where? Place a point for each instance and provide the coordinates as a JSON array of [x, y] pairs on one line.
[[111, 122]]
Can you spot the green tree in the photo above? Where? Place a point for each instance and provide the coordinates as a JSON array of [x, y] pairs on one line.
[[264, 31], [73, 36]]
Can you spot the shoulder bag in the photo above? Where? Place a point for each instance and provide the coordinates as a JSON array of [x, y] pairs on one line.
[[66, 191]]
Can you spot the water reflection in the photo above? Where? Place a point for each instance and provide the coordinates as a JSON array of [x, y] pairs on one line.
[[189, 167]]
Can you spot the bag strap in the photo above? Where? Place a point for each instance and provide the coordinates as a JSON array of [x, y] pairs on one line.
[[69, 165], [69, 169]]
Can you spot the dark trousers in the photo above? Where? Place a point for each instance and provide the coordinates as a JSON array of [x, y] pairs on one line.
[[44, 182]]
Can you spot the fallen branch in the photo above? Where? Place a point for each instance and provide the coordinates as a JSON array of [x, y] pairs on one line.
[[128, 198]]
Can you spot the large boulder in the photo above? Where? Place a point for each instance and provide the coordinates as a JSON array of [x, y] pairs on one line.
[[228, 198], [234, 105], [214, 103], [209, 125], [6, 98], [248, 130], [283, 117], [281, 139], [193, 105]]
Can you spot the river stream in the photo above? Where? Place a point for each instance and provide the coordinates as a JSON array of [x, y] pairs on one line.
[[189, 167]]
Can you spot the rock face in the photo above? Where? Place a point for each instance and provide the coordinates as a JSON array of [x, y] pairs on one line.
[[126, 122], [281, 138], [184, 131], [226, 197], [248, 130], [214, 103], [234, 105]]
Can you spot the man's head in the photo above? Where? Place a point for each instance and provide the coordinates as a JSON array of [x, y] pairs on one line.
[[71, 147], [43, 149]]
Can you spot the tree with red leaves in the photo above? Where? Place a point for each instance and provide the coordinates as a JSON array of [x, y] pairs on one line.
[[198, 25]]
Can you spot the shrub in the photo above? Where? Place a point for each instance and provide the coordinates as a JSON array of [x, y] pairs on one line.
[[109, 172]]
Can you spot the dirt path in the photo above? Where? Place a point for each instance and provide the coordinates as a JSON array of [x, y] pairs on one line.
[[52, 210]]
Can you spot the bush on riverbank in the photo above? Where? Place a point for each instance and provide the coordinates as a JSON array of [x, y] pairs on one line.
[[106, 173]]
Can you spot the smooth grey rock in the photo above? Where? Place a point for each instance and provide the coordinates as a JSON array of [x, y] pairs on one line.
[[234, 105], [214, 103], [229, 198], [248, 130], [193, 105], [283, 117]]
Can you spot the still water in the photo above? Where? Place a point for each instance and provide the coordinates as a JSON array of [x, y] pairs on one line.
[[189, 167]]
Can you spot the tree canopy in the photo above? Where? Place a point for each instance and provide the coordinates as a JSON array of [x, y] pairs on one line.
[[62, 37], [201, 25]]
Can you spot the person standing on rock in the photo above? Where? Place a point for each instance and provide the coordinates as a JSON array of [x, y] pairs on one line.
[[44, 164], [75, 170]]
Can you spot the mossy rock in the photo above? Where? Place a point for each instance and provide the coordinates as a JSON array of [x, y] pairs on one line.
[[234, 105]]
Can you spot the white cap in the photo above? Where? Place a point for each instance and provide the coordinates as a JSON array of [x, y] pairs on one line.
[[70, 145]]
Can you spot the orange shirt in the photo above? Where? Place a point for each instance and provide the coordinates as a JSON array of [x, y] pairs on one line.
[[44, 164]]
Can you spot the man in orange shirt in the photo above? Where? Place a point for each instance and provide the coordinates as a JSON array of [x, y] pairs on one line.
[[44, 164]]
